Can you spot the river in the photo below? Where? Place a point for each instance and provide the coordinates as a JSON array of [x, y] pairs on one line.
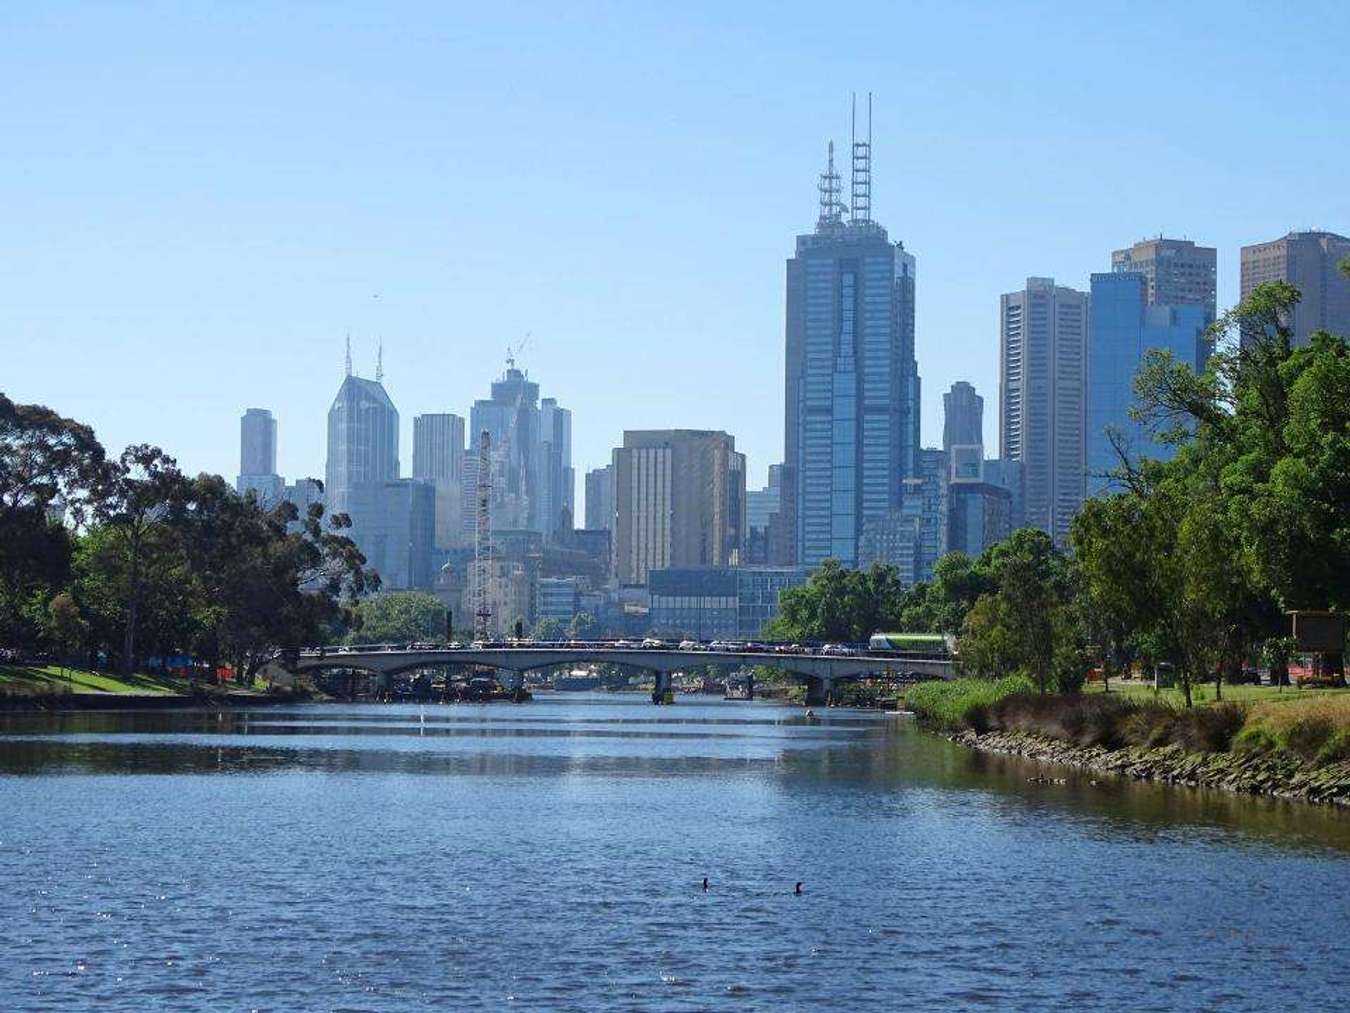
[[549, 856]]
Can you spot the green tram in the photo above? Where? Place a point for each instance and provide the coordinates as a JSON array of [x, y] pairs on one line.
[[901, 645]]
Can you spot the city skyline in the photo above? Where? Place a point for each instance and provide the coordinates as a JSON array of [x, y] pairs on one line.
[[241, 247]]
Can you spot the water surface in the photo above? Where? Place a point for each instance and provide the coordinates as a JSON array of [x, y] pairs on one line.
[[549, 856]]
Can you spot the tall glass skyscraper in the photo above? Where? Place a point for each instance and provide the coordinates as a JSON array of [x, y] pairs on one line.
[[1123, 327], [852, 394], [362, 440]]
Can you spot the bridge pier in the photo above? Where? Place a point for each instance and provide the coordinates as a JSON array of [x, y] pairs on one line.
[[663, 693], [750, 684], [819, 691]]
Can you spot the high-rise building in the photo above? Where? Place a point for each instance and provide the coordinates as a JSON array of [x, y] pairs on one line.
[[533, 484], [1123, 328], [438, 458], [258, 457], [511, 418], [1042, 344], [679, 501], [1176, 271], [852, 383], [979, 514], [761, 507], [394, 526], [557, 480], [1310, 262], [962, 417], [600, 498], [362, 439]]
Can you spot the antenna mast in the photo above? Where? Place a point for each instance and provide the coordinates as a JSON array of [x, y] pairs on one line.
[[831, 206], [349, 353], [860, 210], [482, 542], [379, 362]]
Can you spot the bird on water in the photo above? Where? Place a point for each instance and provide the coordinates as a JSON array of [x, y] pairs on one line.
[[798, 890], [705, 884]]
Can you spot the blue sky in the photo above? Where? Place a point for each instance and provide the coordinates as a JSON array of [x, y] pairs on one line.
[[200, 200]]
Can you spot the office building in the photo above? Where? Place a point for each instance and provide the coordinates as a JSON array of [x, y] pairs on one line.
[[962, 417], [559, 598], [600, 498], [852, 383], [362, 439], [1310, 262], [394, 526], [1176, 271], [979, 514], [1007, 475], [761, 508], [679, 501], [258, 458], [438, 458], [533, 484], [557, 481], [1042, 377], [709, 603], [1124, 327]]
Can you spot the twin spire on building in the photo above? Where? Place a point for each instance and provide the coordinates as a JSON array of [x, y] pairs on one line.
[[860, 193], [379, 359]]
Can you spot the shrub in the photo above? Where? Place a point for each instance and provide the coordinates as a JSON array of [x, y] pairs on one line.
[[1208, 729], [1149, 724], [961, 703], [1337, 748], [1307, 736], [1258, 741]]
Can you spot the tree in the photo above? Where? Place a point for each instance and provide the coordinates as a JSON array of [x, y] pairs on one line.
[[66, 628], [549, 629], [401, 617], [48, 465], [135, 491], [582, 627]]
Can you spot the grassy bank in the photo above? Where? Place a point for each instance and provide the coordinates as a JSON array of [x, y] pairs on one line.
[[52, 679], [1311, 726]]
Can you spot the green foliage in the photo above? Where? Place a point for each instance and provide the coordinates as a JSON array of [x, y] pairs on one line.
[[399, 617], [838, 604], [149, 561], [961, 704], [1195, 561]]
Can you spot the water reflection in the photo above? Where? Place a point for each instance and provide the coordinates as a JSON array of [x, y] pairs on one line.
[[548, 856]]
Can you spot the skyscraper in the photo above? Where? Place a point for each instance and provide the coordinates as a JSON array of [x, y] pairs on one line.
[[362, 439], [761, 507], [1123, 328], [600, 498], [533, 483], [1310, 262], [1042, 342], [258, 457], [852, 383], [557, 480], [438, 458], [1176, 271], [679, 501], [962, 417]]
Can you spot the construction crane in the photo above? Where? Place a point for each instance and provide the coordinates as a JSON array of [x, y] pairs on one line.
[[482, 542]]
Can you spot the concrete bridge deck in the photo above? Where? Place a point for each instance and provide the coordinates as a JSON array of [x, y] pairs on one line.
[[819, 671]]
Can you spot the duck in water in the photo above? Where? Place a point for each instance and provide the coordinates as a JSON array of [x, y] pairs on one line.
[[705, 884], [798, 890]]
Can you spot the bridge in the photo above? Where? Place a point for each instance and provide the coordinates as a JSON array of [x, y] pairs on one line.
[[819, 671]]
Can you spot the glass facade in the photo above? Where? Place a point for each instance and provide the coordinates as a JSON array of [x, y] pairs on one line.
[[1123, 328], [707, 603], [852, 385]]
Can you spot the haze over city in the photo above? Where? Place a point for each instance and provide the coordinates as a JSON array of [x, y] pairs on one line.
[[202, 204]]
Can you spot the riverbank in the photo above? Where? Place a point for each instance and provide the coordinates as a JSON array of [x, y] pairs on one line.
[[48, 688], [1281, 774], [1297, 746]]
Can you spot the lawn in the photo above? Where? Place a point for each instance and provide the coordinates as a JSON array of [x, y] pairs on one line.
[[1204, 692], [54, 679]]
